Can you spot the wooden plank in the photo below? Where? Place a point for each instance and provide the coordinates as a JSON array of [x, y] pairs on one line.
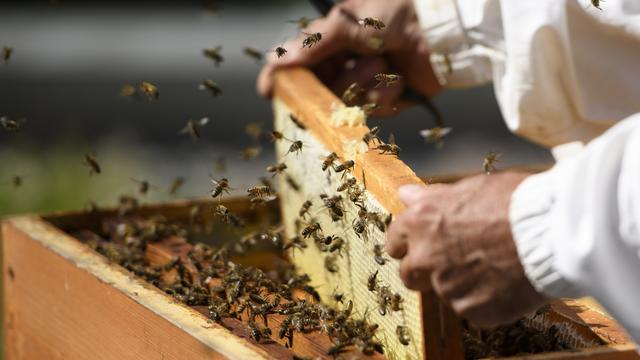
[[64, 301], [312, 103]]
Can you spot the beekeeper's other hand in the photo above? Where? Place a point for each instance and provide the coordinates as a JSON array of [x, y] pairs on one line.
[[399, 48], [456, 240]]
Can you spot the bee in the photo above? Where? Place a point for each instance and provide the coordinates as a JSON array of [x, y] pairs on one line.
[[193, 127], [250, 152], [489, 162], [311, 39], [7, 51], [17, 181], [296, 147], [291, 182], [127, 204], [338, 297], [266, 182], [372, 22], [594, 3], [348, 184], [403, 335], [91, 161], [150, 90], [260, 191], [435, 135], [330, 264], [447, 64], [297, 122], [310, 230], [359, 224], [391, 148], [258, 333], [304, 209], [396, 302], [302, 22], [214, 54], [344, 167], [372, 281], [352, 92], [10, 124], [386, 79], [176, 185], [296, 242], [337, 244], [220, 187], [143, 187], [329, 160], [227, 216], [253, 53], [277, 168], [127, 90], [371, 136], [280, 51], [210, 85], [334, 205], [277, 135], [384, 298], [370, 108], [254, 130], [378, 254]]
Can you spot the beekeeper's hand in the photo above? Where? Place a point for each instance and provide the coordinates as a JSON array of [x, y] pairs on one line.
[[403, 51], [456, 240]]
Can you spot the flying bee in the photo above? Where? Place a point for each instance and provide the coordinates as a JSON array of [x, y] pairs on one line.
[[489, 162], [296, 147], [253, 53], [210, 85], [280, 51], [291, 182], [391, 148], [372, 135], [143, 186], [296, 243], [277, 168], [372, 281], [11, 124], [311, 39], [227, 216], [260, 191], [91, 161], [330, 264], [310, 230], [435, 135], [378, 254], [7, 51], [250, 153], [214, 54], [304, 209], [176, 185], [370, 108], [193, 127], [344, 167], [254, 130], [594, 3], [351, 93], [127, 90], [220, 187], [329, 160], [403, 335], [150, 90], [301, 23], [258, 333], [277, 135], [372, 22], [448, 65], [386, 80], [17, 181], [266, 182], [297, 122], [348, 184]]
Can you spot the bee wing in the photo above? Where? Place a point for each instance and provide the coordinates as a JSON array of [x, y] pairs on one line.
[[392, 139], [203, 121]]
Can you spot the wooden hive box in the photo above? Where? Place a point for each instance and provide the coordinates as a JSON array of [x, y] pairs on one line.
[[62, 300]]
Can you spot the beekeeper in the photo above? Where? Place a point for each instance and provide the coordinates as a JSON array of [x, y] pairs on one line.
[[566, 74]]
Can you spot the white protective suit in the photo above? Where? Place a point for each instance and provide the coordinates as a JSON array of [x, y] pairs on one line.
[[565, 73]]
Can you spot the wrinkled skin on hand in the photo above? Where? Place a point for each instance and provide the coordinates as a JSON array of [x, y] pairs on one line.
[[404, 52], [456, 239]]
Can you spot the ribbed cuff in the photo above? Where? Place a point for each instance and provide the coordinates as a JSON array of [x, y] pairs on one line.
[[530, 216]]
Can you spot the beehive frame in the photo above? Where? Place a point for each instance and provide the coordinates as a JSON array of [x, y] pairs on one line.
[[436, 331]]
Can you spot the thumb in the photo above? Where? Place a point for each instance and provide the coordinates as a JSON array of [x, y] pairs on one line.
[[409, 194]]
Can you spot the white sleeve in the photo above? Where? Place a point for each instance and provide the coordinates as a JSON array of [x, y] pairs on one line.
[[562, 70], [577, 226]]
